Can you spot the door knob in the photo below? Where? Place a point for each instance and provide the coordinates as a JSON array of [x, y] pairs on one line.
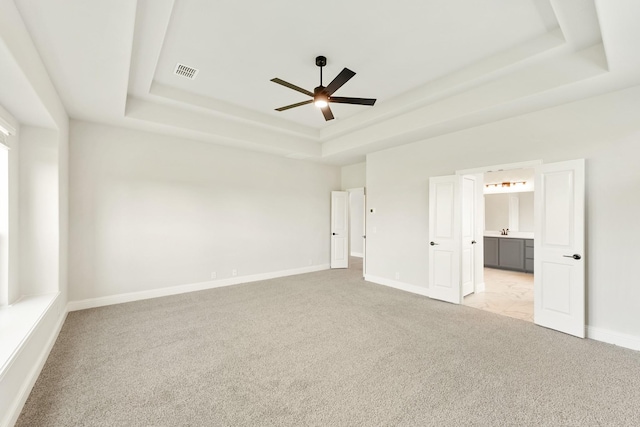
[[433, 243], [574, 256], [333, 234], [473, 242]]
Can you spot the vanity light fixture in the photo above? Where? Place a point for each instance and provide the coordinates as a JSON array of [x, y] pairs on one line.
[[507, 184]]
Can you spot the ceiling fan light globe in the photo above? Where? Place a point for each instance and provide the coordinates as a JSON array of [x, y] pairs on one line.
[[321, 103]]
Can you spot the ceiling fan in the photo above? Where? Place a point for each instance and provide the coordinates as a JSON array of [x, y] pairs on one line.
[[321, 96]]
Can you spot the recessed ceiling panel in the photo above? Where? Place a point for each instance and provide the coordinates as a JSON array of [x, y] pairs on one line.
[[392, 46]]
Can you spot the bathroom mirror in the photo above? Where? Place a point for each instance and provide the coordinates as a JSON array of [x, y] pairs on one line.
[[508, 210]]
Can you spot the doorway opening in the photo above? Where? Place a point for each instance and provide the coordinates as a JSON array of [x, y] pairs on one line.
[[506, 214], [348, 249], [357, 229], [457, 253]]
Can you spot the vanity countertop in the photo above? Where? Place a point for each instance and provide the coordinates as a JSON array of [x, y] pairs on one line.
[[511, 235]]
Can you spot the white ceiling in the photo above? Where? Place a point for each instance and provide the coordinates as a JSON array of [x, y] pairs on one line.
[[435, 66], [237, 52]]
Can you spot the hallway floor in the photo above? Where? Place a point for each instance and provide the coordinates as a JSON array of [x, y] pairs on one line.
[[509, 293], [355, 263]]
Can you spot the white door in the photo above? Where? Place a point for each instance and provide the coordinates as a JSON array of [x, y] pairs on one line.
[[559, 294], [444, 236], [364, 235], [478, 276], [468, 234], [339, 229]]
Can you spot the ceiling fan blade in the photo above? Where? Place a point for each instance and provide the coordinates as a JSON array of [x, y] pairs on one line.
[[359, 101], [292, 86], [344, 76], [326, 111], [294, 105]]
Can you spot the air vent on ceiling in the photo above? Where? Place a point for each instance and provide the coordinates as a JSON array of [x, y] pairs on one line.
[[185, 71]]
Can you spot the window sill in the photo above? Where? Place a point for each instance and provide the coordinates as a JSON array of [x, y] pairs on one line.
[[16, 323]]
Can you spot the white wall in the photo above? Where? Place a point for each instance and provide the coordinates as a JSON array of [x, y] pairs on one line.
[[39, 211], [354, 176], [526, 211], [150, 211], [604, 130]]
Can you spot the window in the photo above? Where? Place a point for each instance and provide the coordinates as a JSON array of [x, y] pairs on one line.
[[5, 292]]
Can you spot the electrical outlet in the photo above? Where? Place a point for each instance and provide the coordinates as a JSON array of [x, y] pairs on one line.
[[397, 275], [214, 275], [234, 272]]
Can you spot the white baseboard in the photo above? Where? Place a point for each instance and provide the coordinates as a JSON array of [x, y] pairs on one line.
[[31, 375], [623, 340], [192, 287], [397, 285], [357, 254]]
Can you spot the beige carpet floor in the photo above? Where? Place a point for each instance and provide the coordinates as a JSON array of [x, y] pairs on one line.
[[325, 349]]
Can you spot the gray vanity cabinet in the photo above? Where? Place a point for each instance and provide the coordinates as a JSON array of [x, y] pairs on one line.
[[511, 254], [528, 255], [491, 252], [508, 253]]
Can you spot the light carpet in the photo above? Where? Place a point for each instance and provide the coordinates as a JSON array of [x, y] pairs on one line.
[[325, 349]]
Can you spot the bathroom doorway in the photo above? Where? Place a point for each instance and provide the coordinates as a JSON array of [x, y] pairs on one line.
[[556, 252], [506, 221]]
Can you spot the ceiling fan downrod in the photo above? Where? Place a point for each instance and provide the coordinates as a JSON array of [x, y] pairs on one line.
[[321, 61]]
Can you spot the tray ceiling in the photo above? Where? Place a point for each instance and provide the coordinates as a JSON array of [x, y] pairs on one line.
[[435, 66]]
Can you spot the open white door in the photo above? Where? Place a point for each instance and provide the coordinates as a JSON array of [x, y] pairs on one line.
[[339, 229], [478, 247], [364, 236], [559, 294], [444, 235], [468, 234]]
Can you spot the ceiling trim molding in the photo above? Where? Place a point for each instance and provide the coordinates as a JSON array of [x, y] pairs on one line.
[[232, 111], [502, 167], [220, 130]]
